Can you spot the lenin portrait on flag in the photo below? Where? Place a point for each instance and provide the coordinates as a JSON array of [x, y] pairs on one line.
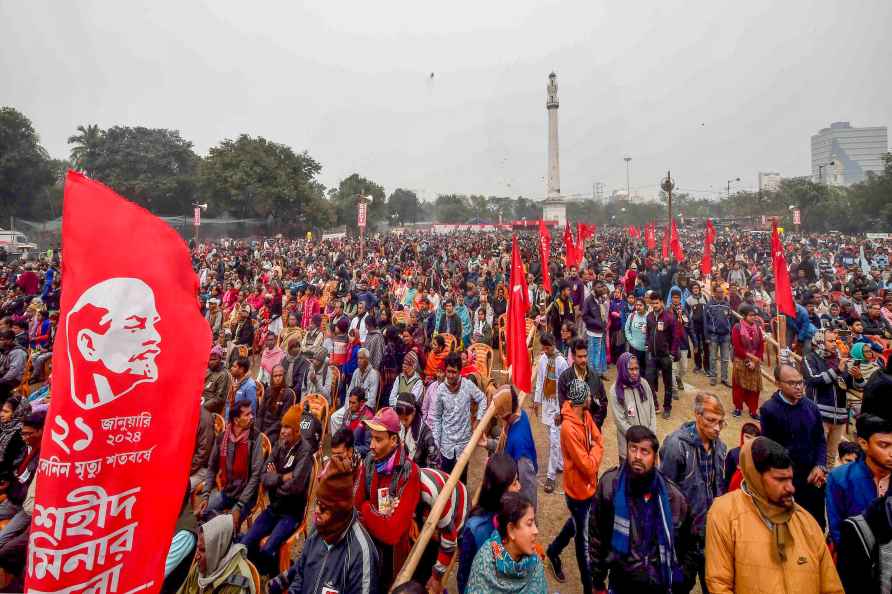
[[112, 341]]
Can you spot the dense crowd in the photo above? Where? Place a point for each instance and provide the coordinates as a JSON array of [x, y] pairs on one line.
[[341, 392]]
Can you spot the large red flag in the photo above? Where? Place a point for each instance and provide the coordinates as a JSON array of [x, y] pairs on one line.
[[675, 243], [518, 305], [129, 359], [545, 254], [706, 262], [650, 236], [783, 292], [573, 256]]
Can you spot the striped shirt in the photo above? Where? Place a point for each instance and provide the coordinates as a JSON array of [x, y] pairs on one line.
[[454, 513]]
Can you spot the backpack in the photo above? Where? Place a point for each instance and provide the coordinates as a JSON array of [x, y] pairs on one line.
[[881, 557]]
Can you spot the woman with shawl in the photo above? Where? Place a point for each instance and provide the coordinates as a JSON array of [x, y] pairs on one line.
[[271, 356], [631, 400], [11, 443], [748, 344], [291, 328], [218, 562], [618, 311]]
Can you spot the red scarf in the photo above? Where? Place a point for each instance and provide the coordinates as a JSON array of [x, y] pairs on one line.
[[239, 459], [750, 336]]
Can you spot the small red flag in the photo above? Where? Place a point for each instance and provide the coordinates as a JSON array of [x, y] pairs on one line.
[[130, 357], [545, 254], [518, 305], [650, 236], [783, 292]]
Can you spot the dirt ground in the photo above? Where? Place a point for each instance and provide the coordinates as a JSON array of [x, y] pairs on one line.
[[552, 512]]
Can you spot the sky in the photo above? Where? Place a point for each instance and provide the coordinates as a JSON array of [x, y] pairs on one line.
[[711, 90]]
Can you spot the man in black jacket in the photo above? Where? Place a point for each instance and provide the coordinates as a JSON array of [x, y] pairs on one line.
[[626, 526], [238, 457], [582, 370], [415, 434], [560, 311], [662, 350], [286, 480], [864, 561], [595, 327]]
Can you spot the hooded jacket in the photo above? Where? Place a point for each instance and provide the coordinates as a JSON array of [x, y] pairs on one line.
[[680, 462], [583, 449]]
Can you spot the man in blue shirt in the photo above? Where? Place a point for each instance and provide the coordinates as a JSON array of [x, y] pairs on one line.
[[851, 487], [245, 386]]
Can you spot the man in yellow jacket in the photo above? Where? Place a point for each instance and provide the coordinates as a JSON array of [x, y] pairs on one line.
[[758, 540]]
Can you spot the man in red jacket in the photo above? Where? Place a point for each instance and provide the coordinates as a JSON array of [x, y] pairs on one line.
[[387, 493]]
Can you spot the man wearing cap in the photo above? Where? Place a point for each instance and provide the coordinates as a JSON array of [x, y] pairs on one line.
[[318, 379], [451, 418], [339, 556], [408, 380], [417, 437], [286, 479], [366, 377], [216, 382], [583, 449], [387, 493]]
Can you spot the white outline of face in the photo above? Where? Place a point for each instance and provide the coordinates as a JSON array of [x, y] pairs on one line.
[[129, 346]]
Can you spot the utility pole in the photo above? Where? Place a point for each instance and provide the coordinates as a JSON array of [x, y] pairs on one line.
[[667, 185], [628, 160]]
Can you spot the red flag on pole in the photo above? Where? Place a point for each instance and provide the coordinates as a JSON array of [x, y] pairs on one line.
[[650, 236], [675, 243], [518, 305], [130, 356], [783, 292], [706, 262], [572, 257], [545, 254], [633, 232]]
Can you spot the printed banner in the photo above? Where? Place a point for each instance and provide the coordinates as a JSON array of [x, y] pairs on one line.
[[129, 362]]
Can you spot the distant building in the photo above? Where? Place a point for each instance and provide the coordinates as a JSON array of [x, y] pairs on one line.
[[769, 181], [842, 155]]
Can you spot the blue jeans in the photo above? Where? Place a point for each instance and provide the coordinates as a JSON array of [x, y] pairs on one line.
[[278, 527], [220, 503], [576, 527], [597, 353], [719, 352]]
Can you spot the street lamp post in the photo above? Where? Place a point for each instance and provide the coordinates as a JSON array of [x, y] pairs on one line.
[[628, 160], [821, 171], [736, 179], [196, 218], [667, 185], [362, 206]]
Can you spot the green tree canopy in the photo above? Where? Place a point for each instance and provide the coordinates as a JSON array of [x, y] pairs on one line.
[[26, 171], [344, 200], [403, 207]]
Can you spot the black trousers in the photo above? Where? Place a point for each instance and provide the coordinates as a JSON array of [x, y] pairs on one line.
[[660, 365]]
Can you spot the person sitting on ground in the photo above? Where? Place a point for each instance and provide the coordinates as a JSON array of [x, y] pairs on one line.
[[339, 555], [286, 480], [417, 437], [238, 457], [388, 492], [499, 477], [758, 539], [639, 530], [507, 562], [220, 567]]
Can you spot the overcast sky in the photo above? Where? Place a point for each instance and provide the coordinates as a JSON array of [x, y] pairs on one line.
[[709, 89]]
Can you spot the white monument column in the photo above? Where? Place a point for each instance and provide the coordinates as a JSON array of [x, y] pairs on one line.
[[553, 208]]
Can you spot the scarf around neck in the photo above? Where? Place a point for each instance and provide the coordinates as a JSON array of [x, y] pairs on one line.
[[778, 515], [624, 380], [505, 563], [751, 335]]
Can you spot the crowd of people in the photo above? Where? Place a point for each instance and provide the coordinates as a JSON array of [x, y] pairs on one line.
[[342, 390]]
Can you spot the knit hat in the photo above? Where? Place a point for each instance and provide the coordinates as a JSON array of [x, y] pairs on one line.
[[335, 492], [412, 359], [577, 391], [291, 418]]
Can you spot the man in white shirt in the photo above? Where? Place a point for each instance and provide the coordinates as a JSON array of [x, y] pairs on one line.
[[545, 399]]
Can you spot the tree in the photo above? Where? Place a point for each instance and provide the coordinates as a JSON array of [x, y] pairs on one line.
[[154, 167], [253, 177], [26, 172], [525, 208], [452, 209], [344, 201], [403, 207], [87, 145], [480, 209], [502, 208]]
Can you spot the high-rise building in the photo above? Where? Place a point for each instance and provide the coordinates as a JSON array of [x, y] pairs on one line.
[[842, 155], [769, 181]]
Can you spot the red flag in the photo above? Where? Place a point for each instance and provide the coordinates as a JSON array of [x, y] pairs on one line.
[[130, 358], [572, 256], [650, 236], [545, 254], [706, 262], [633, 232], [518, 305], [675, 243], [783, 292]]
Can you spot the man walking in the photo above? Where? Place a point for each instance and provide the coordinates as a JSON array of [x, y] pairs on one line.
[[662, 350], [551, 365], [717, 324]]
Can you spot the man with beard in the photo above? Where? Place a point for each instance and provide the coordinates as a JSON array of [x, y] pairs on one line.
[[449, 322], [286, 479], [640, 525], [583, 371], [388, 491], [277, 399], [216, 383], [759, 540]]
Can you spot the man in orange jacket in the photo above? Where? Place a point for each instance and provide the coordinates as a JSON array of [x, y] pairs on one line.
[[583, 448]]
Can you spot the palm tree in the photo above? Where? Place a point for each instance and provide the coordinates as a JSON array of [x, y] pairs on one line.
[[86, 147]]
